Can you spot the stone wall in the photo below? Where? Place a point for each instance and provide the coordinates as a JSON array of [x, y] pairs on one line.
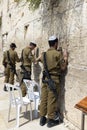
[[68, 20]]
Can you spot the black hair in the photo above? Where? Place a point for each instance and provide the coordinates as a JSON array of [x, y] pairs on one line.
[[31, 43], [52, 43], [13, 45]]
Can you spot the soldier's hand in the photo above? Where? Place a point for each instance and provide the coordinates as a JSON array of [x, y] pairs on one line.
[[5, 64], [65, 54]]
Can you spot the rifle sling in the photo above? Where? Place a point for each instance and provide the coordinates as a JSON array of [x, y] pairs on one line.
[[49, 77]]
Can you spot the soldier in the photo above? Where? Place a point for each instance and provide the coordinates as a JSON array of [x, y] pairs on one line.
[[10, 58], [26, 59], [53, 61]]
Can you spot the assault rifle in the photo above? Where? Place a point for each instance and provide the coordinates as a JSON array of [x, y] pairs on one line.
[[49, 81], [26, 74]]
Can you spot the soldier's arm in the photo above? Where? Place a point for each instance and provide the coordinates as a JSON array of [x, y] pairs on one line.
[[35, 54], [17, 57], [39, 59], [64, 64], [64, 60], [33, 58]]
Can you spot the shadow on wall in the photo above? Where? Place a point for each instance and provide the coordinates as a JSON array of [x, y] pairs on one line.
[[36, 67], [37, 71], [62, 93]]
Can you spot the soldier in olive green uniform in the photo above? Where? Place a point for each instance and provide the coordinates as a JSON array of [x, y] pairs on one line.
[[26, 58], [55, 62], [10, 56]]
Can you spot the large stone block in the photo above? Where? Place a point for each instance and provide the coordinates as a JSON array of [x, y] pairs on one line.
[[66, 19]]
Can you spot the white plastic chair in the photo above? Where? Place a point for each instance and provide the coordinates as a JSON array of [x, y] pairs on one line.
[[16, 99], [33, 96]]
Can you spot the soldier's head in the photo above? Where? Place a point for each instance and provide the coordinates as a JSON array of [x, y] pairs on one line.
[[53, 42], [32, 45], [13, 46]]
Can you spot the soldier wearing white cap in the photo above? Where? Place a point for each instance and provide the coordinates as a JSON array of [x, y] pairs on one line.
[[55, 62], [26, 61]]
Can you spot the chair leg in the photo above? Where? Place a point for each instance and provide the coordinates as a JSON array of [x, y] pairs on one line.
[[83, 119], [37, 102], [30, 112], [20, 109], [17, 115], [9, 112], [36, 108], [26, 108]]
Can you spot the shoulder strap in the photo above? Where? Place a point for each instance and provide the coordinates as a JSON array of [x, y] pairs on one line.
[[45, 65], [8, 56], [50, 82], [22, 56]]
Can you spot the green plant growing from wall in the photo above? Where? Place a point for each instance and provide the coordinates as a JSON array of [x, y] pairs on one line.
[[33, 4], [17, 0]]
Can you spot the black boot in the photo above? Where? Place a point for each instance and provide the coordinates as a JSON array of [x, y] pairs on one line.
[[10, 88], [5, 89], [52, 123], [43, 120]]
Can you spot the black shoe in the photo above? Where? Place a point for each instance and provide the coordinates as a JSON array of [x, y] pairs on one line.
[[52, 123], [15, 89], [43, 120], [10, 88], [5, 89]]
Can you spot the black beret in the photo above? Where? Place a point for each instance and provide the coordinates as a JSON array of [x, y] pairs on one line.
[[13, 45]]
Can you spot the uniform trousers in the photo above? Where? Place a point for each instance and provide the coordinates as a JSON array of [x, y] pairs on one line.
[[49, 103], [23, 87], [9, 75]]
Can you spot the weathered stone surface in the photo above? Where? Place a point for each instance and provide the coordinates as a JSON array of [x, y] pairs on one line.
[[68, 20]]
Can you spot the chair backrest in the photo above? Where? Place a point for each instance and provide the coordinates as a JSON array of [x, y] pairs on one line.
[[30, 85], [15, 97]]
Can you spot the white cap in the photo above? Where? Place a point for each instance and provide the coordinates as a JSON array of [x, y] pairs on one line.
[[52, 38], [33, 41]]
